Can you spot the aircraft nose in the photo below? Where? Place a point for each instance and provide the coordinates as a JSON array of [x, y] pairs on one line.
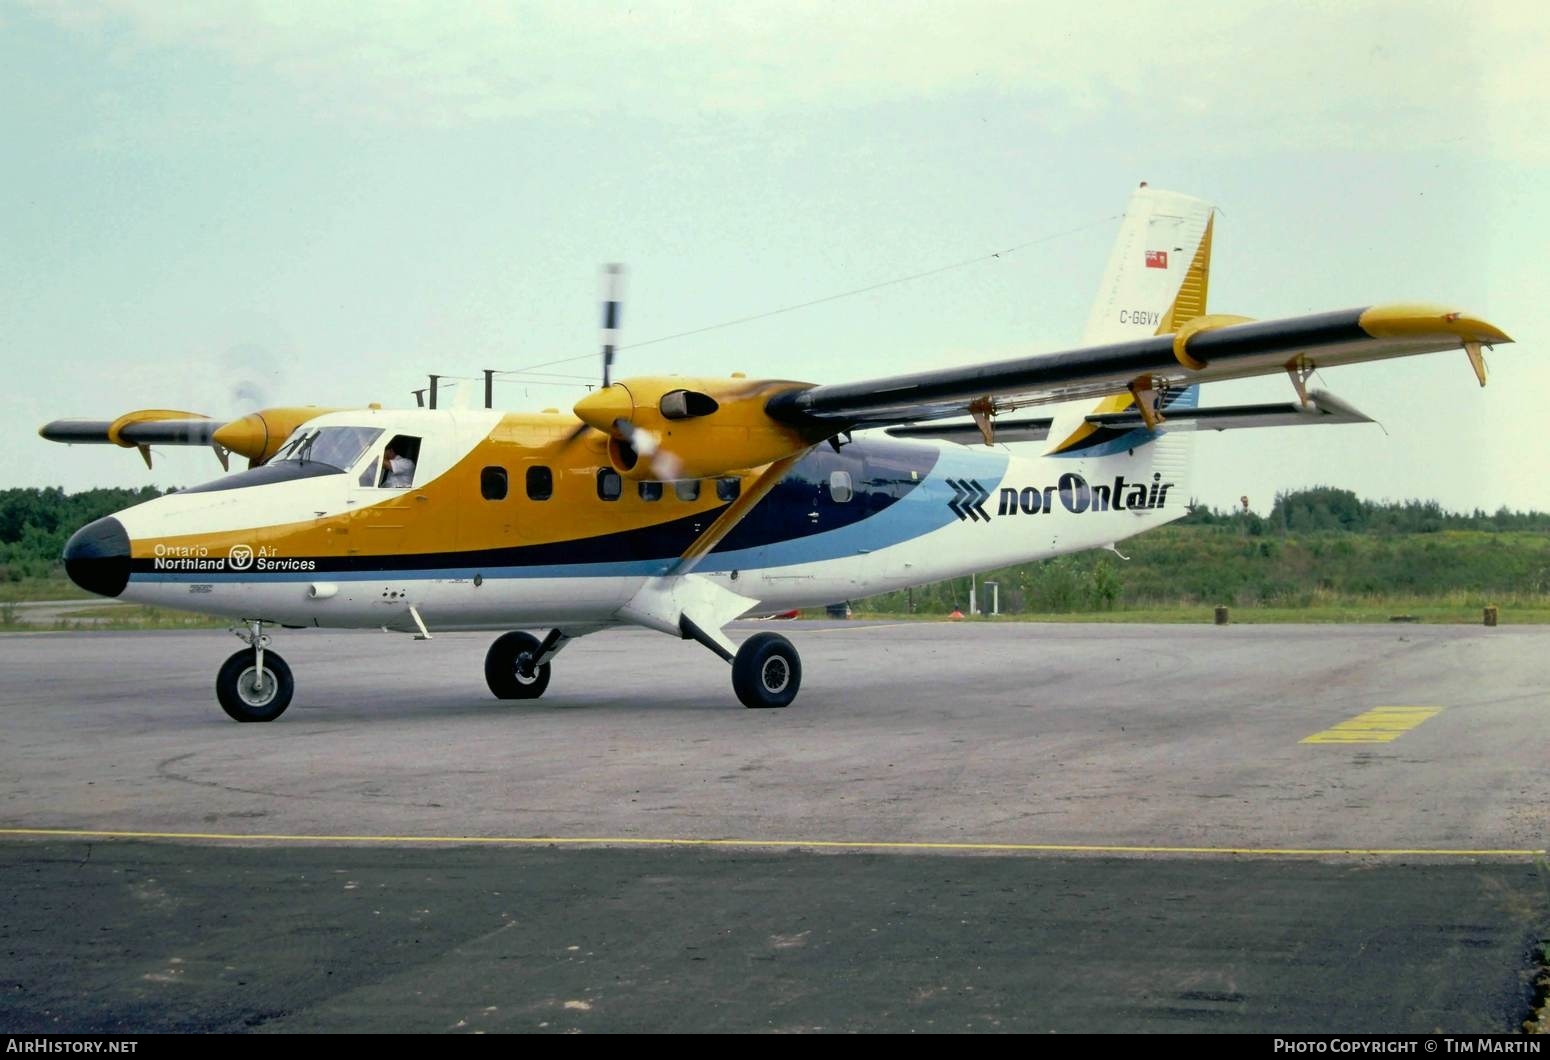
[[97, 557]]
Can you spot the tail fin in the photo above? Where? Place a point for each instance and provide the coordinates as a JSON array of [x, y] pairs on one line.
[[1158, 271], [1156, 281]]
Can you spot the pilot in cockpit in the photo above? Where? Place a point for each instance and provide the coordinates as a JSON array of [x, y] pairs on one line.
[[397, 470]]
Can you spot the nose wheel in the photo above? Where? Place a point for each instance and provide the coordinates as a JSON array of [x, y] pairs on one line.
[[254, 685]]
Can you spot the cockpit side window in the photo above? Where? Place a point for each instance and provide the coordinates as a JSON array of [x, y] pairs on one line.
[[399, 458]]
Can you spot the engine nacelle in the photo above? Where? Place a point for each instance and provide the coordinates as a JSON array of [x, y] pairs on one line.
[[670, 427], [259, 435]]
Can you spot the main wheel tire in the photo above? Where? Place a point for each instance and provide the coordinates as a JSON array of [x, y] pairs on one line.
[[508, 668], [247, 696], [767, 671]]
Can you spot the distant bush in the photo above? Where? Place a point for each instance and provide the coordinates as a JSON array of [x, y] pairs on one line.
[[1316, 546]]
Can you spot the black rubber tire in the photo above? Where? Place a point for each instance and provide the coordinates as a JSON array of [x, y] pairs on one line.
[[504, 668], [767, 671], [234, 687]]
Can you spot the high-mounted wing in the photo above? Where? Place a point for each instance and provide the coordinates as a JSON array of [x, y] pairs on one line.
[[257, 436], [140, 430], [1203, 350]]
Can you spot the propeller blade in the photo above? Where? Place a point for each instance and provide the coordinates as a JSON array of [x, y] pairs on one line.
[[613, 287], [641, 440], [666, 466]]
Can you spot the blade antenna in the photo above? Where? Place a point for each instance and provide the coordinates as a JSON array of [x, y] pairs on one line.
[[613, 284]]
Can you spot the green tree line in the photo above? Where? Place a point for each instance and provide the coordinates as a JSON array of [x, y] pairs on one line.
[[36, 523], [1315, 545]]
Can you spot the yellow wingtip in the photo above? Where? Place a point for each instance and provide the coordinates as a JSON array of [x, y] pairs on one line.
[[1419, 319]]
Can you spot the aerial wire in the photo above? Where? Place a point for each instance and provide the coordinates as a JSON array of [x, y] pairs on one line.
[[980, 259]]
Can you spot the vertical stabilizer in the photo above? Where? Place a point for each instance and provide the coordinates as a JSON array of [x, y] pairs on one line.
[[1158, 271], [1157, 280]]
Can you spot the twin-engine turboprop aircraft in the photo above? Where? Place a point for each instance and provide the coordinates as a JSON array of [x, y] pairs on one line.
[[681, 504]]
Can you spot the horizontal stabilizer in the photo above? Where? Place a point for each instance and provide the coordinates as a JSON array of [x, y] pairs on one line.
[[1322, 408]]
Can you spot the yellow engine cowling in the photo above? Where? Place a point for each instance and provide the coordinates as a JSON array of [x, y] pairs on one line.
[[705, 427], [259, 435]]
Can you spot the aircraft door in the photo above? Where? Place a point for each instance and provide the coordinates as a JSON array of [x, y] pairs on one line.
[[391, 507]]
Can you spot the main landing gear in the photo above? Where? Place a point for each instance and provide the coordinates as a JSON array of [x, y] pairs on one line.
[[517, 665], [254, 684], [766, 669]]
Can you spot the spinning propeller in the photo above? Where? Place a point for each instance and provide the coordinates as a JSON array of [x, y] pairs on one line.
[[611, 409]]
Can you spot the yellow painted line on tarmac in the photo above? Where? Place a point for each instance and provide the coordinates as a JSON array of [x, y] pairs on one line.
[[785, 844], [1379, 725]]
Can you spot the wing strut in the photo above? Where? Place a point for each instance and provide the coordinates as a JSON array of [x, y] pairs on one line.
[[1144, 390], [734, 514], [691, 606], [1299, 370]]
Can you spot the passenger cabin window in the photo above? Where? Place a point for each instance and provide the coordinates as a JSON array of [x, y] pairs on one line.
[[840, 489], [540, 483], [398, 461], [492, 483], [728, 489], [687, 489], [649, 491], [610, 487]]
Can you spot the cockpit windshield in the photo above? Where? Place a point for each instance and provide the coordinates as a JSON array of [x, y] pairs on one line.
[[335, 446]]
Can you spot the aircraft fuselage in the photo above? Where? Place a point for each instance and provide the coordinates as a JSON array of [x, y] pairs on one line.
[[512, 522]]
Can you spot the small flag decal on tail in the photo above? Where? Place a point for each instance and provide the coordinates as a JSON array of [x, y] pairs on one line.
[[1157, 259]]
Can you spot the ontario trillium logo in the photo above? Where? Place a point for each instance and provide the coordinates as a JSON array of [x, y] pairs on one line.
[[240, 557]]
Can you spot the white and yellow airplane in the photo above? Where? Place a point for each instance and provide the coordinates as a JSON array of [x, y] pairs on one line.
[[682, 504]]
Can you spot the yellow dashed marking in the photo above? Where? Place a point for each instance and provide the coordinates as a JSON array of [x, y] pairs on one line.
[[1379, 725]]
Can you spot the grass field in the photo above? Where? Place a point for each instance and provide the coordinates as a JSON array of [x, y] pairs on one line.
[[1374, 611]]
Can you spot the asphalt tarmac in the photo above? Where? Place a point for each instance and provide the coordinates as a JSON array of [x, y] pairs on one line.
[[955, 827]]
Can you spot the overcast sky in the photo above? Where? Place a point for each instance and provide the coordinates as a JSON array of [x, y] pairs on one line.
[[218, 206]]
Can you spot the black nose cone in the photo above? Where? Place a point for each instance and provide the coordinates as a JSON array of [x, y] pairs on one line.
[[97, 557]]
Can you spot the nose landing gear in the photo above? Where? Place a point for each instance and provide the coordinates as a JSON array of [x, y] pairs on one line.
[[254, 684]]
